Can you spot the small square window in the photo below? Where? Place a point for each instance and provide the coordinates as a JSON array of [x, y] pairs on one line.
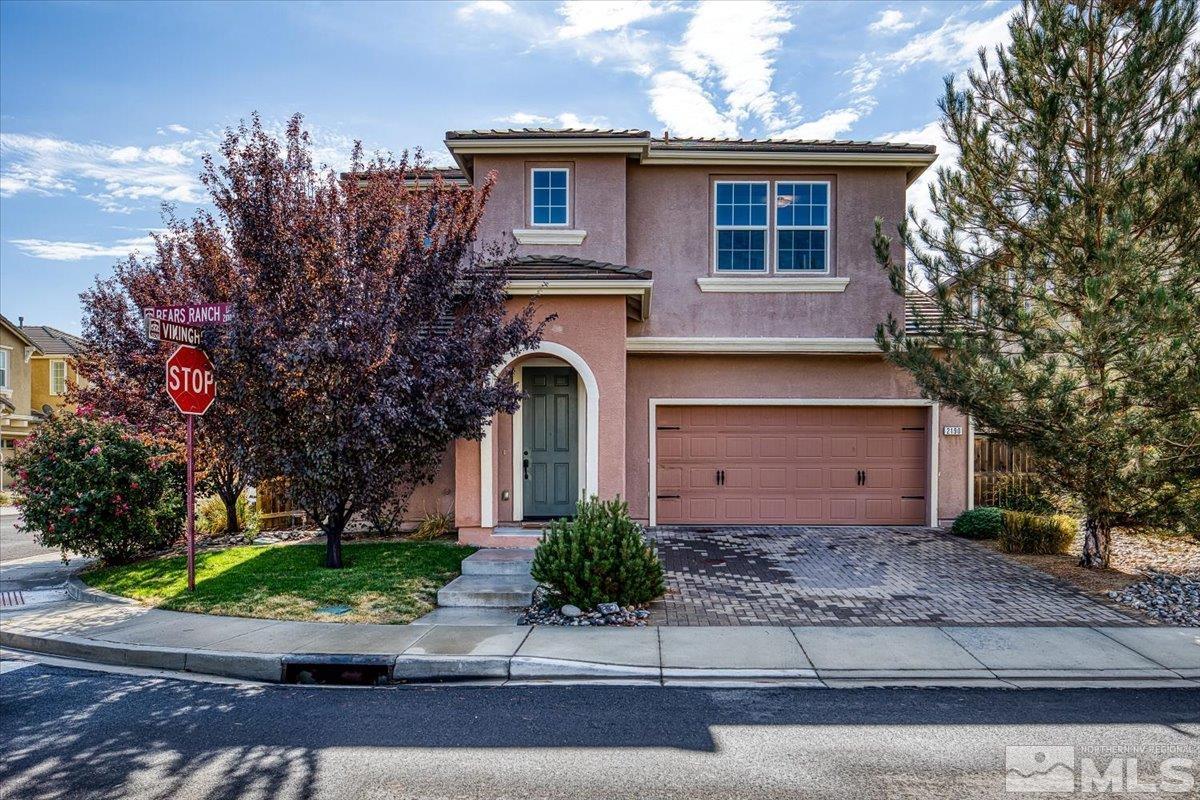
[[550, 204]]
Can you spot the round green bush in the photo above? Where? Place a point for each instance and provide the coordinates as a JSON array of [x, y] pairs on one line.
[[984, 522], [600, 556], [91, 487]]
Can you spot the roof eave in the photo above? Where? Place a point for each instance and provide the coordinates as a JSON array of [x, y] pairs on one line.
[[915, 161]]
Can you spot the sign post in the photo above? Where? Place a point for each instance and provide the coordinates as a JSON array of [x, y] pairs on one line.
[[192, 386]]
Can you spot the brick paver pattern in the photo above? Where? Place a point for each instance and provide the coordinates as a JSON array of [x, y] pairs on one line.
[[856, 576]]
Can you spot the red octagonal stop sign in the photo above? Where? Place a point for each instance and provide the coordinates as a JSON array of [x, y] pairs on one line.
[[190, 380]]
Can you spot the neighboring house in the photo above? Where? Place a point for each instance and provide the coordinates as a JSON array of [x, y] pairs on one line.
[[17, 419], [712, 358], [52, 370]]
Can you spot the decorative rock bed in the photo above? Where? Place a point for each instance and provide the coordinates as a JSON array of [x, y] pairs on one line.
[[1171, 599], [544, 611]]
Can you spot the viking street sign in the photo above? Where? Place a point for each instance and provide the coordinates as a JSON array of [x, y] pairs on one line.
[[162, 331]]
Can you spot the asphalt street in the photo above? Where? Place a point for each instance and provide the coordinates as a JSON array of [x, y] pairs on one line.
[[82, 734], [25, 564]]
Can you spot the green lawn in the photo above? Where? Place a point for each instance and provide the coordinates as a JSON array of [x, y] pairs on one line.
[[390, 582]]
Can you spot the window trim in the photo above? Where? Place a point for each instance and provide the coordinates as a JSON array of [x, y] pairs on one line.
[[4, 354], [54, 362], [826, 228], [716, 229], [532, 221]]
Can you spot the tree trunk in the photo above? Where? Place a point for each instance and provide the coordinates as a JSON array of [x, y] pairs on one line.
[[230, 498], [335, 523], [1097, 537]]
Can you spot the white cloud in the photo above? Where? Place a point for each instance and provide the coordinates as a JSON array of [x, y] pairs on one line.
[[930, 133], [174, 127], [735, 44], [77, 251], [679, 101], [955, 43], [828, 126], [48, 166], [585, 17], [483, 8], [566, 119], [891, 21]]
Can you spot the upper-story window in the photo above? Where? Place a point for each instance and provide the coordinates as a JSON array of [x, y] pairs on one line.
[[58, 377], [802, 227], [741, 222], [550, 203], [3, 369], [795, 239]]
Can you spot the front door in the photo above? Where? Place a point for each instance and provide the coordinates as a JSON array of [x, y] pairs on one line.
[[550, 451]]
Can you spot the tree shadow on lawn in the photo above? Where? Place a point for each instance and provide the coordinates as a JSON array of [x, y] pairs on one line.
[[69, 733], [382, 582]]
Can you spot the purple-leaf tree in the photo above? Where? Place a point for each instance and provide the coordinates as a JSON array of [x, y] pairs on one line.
[[368, 326]]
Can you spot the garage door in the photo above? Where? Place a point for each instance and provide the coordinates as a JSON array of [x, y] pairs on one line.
[[786, 465]]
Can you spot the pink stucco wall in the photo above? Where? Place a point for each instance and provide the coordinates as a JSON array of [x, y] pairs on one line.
[[597, 203], [593, 328], [802, 376], [671, 233]]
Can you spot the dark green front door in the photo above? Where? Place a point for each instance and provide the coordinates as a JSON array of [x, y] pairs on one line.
[[550, 453]]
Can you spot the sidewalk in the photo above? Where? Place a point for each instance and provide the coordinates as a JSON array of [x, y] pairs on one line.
[[123, 633]]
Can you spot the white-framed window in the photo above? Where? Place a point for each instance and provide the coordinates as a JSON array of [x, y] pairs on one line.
[[802, 226], [4, 368], [740, 226], [58, 377], [550, 199]]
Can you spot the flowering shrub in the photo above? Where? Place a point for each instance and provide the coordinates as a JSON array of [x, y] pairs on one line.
[[90, 487]]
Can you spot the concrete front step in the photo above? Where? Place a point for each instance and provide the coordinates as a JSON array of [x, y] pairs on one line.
[[487, 591], [498, 562]]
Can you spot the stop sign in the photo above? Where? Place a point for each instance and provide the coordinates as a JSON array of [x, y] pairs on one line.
[[190, 380]]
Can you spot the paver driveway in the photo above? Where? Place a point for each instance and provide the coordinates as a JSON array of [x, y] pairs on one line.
[[857, 576]]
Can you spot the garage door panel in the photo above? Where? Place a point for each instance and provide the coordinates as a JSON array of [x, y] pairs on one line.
[[791, 465]]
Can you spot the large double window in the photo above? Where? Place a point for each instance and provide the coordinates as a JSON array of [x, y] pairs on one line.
[[793, 239]]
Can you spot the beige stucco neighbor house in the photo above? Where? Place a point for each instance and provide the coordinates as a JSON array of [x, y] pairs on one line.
[[712, 358], [17, 419], [52, 368]]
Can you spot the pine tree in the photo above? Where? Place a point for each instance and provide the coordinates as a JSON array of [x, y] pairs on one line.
[[1064, 256]]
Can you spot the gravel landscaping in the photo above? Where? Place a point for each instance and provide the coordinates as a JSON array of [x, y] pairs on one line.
[[544, 611], [1170, 599]]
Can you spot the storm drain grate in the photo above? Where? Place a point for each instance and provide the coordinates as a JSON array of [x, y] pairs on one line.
[[11, 599], [338, 670]]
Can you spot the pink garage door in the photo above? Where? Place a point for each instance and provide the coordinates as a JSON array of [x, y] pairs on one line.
[[788, 465]]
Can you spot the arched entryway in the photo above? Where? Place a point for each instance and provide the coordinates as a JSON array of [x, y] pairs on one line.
[[556, 379]]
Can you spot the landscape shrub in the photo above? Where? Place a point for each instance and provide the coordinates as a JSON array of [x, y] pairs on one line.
[[91, 487], [984, 522], [433, 525], [1037, 533], [600, 556], [212, 519], [1028, 492]]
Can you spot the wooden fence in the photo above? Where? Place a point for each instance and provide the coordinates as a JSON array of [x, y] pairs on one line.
[[276, 510], [994, 462]]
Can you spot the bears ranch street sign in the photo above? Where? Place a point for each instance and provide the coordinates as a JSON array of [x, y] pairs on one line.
[[190, 380], [197, 315]]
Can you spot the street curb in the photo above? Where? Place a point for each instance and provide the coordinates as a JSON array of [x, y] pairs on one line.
[[80, 592], [420, 668]]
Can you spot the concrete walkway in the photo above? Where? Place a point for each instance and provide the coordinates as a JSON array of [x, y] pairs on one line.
[[128, 634]]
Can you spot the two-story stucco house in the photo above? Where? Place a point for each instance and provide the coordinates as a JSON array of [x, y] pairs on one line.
[[712, 358], [17, 416], [52, 369]]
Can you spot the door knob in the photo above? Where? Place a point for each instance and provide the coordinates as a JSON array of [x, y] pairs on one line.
[[525, 467]]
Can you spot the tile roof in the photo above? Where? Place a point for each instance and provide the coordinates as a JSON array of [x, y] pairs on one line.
[[54, 342], [922, 314], [667, 142], [549, 268]]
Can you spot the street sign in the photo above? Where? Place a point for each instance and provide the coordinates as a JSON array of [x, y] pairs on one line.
[[161, 331], [195, 315], [190, 380]]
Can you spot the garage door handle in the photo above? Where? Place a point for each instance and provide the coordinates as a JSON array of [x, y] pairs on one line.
[[862, 478]]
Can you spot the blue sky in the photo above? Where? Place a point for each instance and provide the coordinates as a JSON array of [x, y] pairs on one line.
[[106, 108]]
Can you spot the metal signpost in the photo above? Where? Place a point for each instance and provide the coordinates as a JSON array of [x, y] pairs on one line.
[[191, 384]]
